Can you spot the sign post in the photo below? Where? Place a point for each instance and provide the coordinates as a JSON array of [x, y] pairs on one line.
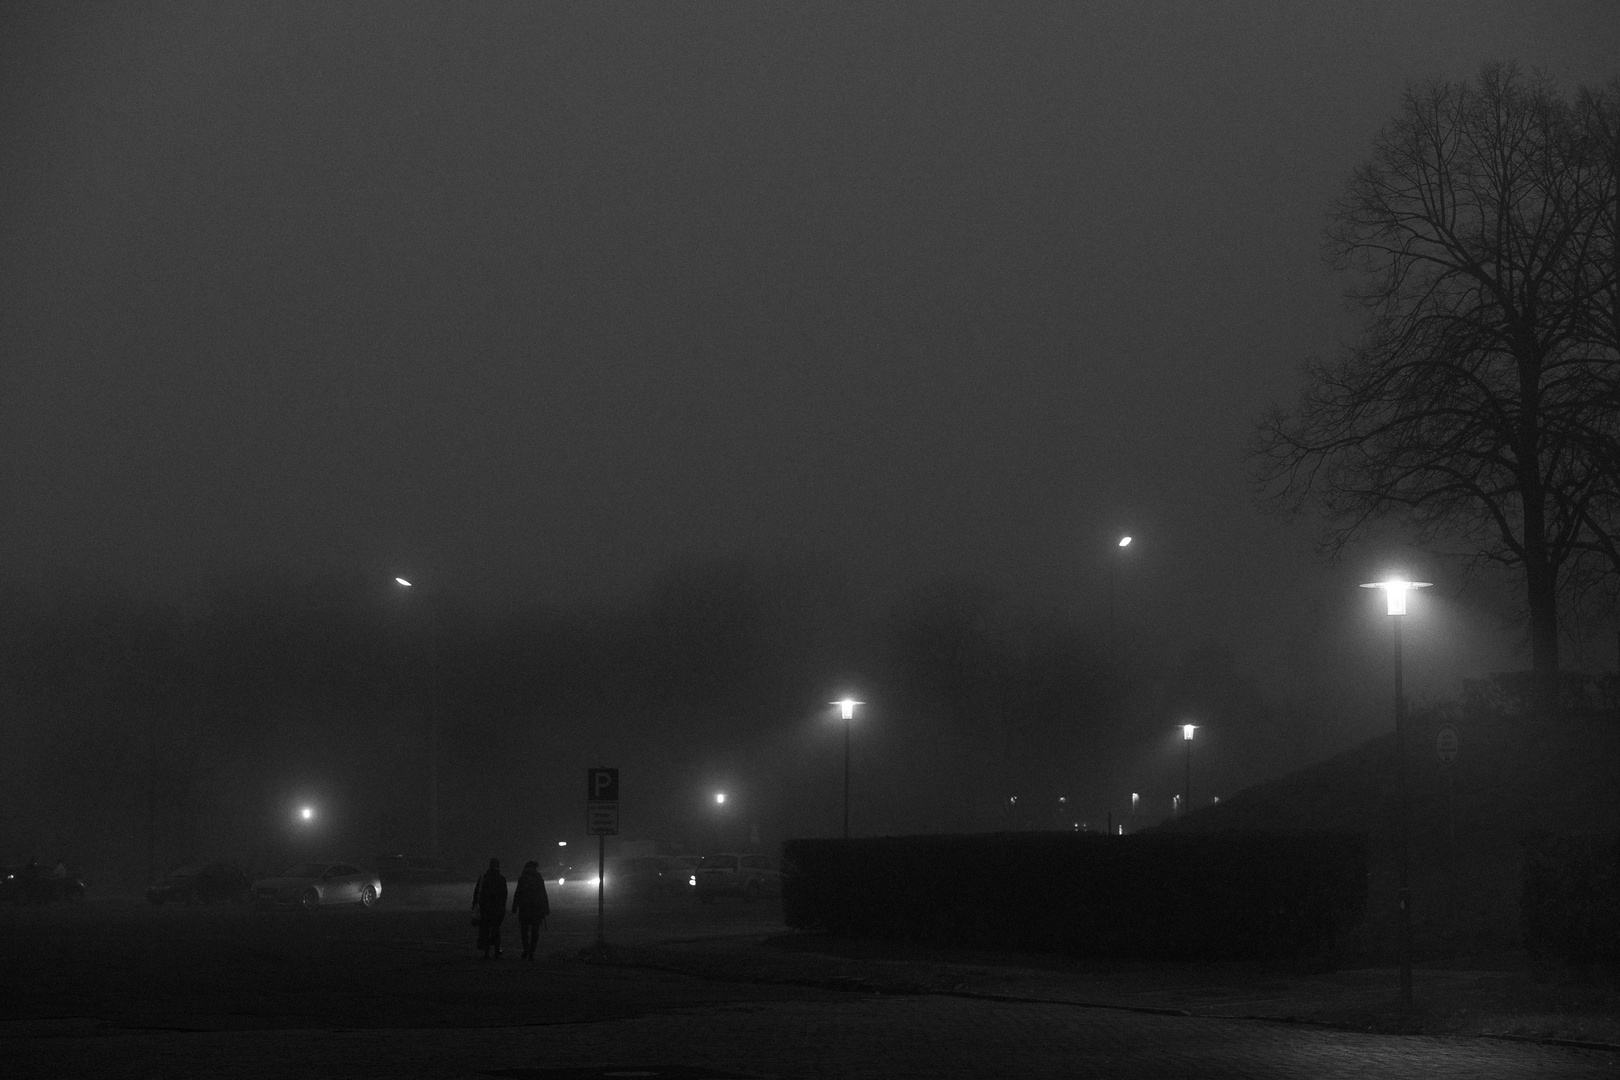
[[601, 821]]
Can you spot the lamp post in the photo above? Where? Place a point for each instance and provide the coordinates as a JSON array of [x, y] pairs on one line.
[[719, 820], [1395, 590], [1186, 788], [433, 721], [1113, 587], [846, 711]]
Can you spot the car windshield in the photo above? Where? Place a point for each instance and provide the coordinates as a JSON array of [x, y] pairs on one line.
[[718, 862], [306, 870]]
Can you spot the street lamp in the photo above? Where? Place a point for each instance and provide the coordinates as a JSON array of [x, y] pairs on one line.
[[1186, 789], [433, 721], [846, 712], [1113, 573], [1395, 590], [720, 798]]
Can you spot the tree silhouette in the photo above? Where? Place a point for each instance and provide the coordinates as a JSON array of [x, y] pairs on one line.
[[1477, 408]]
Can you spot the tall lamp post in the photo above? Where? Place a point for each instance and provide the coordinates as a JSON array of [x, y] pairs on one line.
[[846, 711], [1113, 588], [1186, 788], [433, 721], [1395, 590]]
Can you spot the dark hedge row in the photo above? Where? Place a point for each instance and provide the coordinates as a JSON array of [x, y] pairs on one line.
[[1170, 896], [1570, 906]]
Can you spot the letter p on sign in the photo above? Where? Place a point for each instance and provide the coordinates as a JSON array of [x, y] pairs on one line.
[[602, 785]]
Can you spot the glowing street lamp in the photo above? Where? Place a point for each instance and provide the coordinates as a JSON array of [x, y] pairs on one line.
[[1113, 587], [846, 712], [720, 798], [1186, 789], [433, 720], [1395, 590]]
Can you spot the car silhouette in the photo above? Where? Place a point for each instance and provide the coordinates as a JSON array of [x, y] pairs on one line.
[[200, 883], [744, 875], [313, 885]]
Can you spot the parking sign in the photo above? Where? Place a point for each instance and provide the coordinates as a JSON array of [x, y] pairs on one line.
[[601, 785]]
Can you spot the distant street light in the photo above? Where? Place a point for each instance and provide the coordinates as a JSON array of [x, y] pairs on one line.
[[433, 719], [1113, 587], [306, 813], [720, 797], [1395, 590], [846, 712], [1186, 790]]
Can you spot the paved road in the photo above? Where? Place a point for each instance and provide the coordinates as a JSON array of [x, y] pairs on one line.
[[400, 994], [852, 1038]]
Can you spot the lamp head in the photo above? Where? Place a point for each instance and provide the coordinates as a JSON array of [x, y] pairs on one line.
[[1124, 541], [403, 582], [719, 798], [1395, 590], [846, 708], [1187, 731]]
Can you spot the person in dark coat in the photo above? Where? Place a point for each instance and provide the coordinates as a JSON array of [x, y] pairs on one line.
[[530, 903], [489, 907]]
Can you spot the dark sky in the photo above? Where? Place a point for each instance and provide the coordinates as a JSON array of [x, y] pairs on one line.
[[535, 298]]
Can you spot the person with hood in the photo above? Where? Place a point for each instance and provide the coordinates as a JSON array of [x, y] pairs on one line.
[[489, 908], [531, 905]]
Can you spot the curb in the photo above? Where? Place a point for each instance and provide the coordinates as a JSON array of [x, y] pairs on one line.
[[1578, 1044], [855, 984]]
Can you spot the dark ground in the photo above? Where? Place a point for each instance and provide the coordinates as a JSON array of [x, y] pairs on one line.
[[399, 991]]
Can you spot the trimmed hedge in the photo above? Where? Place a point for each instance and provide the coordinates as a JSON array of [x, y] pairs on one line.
[[1164, 896], [1570, 904]]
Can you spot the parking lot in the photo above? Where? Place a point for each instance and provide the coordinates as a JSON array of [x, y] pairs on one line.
[[228, 991], [408, 961]]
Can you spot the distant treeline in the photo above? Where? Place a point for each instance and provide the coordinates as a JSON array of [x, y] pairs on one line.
[[140, 732]]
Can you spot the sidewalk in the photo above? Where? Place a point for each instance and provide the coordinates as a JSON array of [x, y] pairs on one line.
[[1500, 997]]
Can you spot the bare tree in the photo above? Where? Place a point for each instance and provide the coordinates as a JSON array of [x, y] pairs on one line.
[[1595, 277], [1474, 409]]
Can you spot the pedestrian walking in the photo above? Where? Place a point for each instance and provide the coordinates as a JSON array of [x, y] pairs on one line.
[[530, 903], [489, 908]]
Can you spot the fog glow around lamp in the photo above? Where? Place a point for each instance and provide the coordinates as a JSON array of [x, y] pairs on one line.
[[1395, 590]]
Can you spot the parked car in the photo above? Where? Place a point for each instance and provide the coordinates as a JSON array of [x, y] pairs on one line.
[[748, 876], [313, 885], [200, 883], [646, 875], [35, 883], [571, 874], [412, 870]]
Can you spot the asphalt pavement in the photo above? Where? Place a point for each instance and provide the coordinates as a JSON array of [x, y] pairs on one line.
[[685, 990]]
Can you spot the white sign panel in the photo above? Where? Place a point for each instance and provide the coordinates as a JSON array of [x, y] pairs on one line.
[[602, 819]]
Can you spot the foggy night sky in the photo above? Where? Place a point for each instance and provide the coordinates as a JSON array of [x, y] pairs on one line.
[[533, 299]]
